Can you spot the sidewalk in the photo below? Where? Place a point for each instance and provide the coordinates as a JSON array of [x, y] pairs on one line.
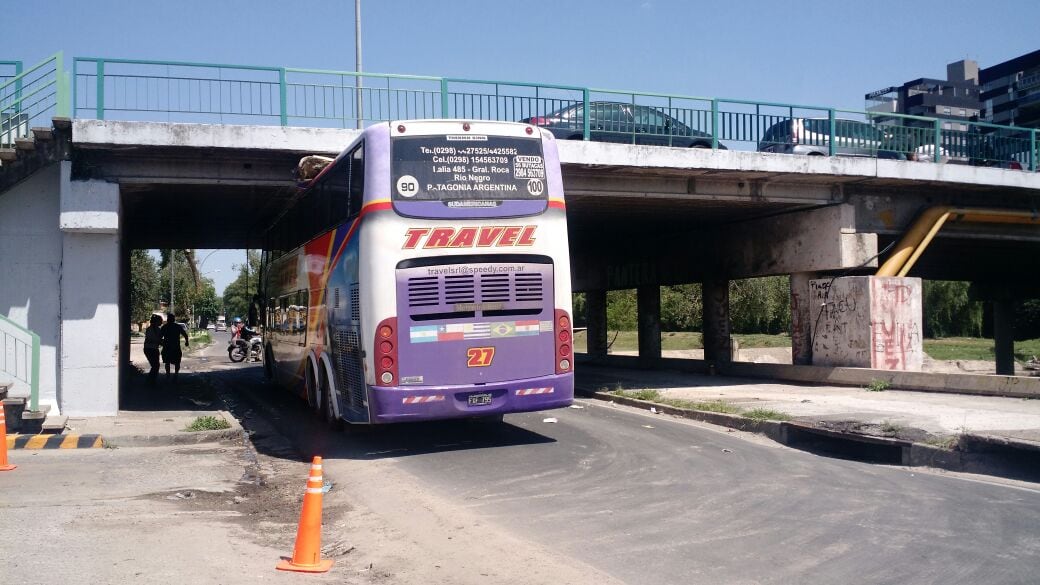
[[944, 423], [157, 415]]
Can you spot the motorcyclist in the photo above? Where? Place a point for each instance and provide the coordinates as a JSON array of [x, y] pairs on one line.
[[241, 334]]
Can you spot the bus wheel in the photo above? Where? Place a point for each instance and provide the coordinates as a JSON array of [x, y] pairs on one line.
[[268, 364], [328, 411], [312, 389]]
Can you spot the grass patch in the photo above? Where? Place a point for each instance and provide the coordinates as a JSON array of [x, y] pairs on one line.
[[720, 406], [208, 423], [947, 443], [976, 348], [676, 340], [890, 428], [877, 385], [200, 336], [766, 414]]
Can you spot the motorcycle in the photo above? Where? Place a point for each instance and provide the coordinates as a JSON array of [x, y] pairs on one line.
[[248, 345]]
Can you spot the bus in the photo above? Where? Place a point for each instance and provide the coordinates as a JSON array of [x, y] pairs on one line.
[[424, 274]]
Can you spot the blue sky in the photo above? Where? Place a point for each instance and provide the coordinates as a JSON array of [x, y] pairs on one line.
[[800, 51]]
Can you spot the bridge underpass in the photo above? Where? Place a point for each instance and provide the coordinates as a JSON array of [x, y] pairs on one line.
[[640, 217]]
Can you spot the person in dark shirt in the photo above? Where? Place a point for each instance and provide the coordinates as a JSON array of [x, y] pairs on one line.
[[171, 347], [152, 341]]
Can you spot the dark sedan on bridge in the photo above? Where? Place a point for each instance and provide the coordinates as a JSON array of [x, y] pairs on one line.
[[625, 123]]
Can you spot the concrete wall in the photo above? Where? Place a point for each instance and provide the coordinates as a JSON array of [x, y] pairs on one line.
[[59, 277], [867, 322], [90, 281], [30, 269]]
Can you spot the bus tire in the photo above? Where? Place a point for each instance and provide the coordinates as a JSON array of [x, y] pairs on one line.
[[312, 389], [268, 364], [327, 410]]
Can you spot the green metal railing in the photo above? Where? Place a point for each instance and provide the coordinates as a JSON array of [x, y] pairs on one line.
[[129, 89], [20, 357], [32, 96]]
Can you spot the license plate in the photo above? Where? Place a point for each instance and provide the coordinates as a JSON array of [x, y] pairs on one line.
[[479, 399]]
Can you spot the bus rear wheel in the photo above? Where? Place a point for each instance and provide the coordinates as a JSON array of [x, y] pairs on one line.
[[328, 411]]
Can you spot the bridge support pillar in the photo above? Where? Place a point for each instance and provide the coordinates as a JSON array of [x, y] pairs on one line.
[[596, 318], [801, 318], [717, 344], [1004, 336], [648, 302]]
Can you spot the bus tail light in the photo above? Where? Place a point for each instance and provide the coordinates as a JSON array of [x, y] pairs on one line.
[[564, 336], [385, 349]]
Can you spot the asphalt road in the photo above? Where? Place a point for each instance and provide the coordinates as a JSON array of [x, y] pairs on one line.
[[648, 499]]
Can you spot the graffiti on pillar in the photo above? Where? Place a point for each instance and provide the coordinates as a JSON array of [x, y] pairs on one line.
[[895, 327], [867, 322], [838, 315]]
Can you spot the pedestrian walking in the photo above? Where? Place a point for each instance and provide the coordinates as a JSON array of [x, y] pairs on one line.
[[152, 341], [171, 346]]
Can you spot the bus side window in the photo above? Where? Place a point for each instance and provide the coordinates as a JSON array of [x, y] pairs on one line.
[[357, 179]]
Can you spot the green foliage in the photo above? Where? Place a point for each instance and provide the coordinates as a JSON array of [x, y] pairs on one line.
[[949, 311], [644, 394], [765, 414], [760, 305], [208, 423], [240, 292], [578, 308], [681, 307], [621, 309], [878, 385], [144, 286]]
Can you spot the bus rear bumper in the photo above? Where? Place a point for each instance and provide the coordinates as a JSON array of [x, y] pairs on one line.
[[410, 403]]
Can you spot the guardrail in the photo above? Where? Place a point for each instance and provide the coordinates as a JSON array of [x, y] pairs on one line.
[[32, 96], [20, 357], [176, 91]]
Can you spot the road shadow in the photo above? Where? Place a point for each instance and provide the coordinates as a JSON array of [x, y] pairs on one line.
[[265, 409]]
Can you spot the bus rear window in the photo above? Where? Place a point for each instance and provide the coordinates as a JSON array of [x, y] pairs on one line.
[[468, 171]]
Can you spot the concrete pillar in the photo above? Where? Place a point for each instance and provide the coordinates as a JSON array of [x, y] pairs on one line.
[[801, 318], [90, 293], [717, 347], [648, 302], [1004, 336], [596, 318]]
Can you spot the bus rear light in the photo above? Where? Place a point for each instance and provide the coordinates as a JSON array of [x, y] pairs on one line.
[[465, 126], [563, 337], [529, 130], [400, 128], [386, 350]]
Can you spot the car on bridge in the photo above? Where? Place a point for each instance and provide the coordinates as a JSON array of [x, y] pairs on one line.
[[626, 124], [811, 136]]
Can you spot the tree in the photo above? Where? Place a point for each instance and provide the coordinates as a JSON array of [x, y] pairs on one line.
[[239, 293], [950, 311], [144, 286]]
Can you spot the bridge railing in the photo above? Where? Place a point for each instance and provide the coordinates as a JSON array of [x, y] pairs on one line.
[[20, 358], [206, 92], [32, 96]]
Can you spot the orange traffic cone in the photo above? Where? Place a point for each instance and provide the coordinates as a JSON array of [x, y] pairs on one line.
[[306, 556], [4, 465]]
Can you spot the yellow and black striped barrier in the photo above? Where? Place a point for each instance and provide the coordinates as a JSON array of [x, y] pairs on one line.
[[54, 441]]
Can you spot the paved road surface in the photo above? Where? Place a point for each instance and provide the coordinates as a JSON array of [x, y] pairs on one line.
[[650, 500]]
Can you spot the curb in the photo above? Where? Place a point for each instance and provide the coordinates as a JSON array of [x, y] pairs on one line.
[[969, 384], [182, 438], [972, 454], [18, 441]]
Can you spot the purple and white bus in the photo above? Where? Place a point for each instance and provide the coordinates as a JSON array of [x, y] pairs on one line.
[[424, 274]]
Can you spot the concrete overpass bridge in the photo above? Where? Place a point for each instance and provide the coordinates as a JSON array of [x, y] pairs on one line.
[[77, 195]]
